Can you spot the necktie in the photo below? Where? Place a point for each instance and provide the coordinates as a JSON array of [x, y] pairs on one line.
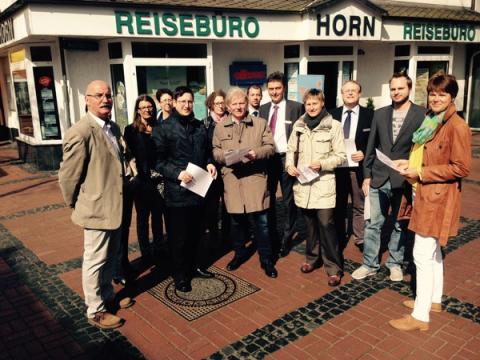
[[255, 113], [346, 124], [273, 119]]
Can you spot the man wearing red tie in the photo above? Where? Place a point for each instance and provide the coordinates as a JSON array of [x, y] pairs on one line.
[[281, 114]]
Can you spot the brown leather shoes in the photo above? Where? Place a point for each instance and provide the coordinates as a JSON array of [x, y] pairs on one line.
[[307, 268], [334, 280], [411, 303], [115, 304], [105, 320], [409, 323]]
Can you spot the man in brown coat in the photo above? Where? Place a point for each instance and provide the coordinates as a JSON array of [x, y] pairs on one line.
[[91, 178], [245, 182]]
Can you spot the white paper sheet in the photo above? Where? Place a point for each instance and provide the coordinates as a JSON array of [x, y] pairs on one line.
[[201, 180], [306, 175], [386, 160], [366, 208], [350, 148], [235, 156]]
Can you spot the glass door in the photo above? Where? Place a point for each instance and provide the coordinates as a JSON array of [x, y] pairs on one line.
[[152, 78]]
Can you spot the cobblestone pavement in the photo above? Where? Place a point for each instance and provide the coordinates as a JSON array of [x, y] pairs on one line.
[[295, 316]]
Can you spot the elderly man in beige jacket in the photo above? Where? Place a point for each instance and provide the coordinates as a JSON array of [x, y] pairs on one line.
[[91, 178]]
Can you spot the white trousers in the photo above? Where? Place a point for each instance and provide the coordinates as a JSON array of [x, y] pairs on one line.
[[427, 256], [99, 262]]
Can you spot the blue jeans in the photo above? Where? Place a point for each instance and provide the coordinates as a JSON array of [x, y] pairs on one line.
[[381, 199], [239, 234]]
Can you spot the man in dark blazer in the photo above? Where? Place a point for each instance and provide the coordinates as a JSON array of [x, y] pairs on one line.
[[356, 121], [280, 114], [392, 130]]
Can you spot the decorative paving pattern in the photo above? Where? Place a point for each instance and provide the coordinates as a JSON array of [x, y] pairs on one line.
[[207, 295], [66, 306], [40, 209], [302, 321]]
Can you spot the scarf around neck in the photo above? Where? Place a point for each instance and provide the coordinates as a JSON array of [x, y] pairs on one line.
[[312, 123], [425, 132]]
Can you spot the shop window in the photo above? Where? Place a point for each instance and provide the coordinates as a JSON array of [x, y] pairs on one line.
[[474, 107], [168, 50], [330, 50], [347, 71], [119, 95], [47, 103], [151, 78], [433, 50], [400, 66], [402, 50], [291, 71], [20, 89], [40, 53], [291, 51], [115, 50], [425, 69]]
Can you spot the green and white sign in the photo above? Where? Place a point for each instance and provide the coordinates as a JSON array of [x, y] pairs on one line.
[[169, 24]]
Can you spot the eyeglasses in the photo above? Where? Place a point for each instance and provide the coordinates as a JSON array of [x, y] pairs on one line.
[[99, 97], [185, 102], [146, 108], [166, 101], [219, 103]]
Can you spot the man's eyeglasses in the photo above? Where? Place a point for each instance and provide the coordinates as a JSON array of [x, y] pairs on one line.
[[166, 101], [99, 97]]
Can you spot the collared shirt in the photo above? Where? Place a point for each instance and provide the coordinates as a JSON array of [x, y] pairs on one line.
[[106, 127], [251, 111], [280, 135], [354, 120]]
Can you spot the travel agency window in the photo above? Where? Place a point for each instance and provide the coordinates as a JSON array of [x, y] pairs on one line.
[[168, 65], [119, 89], [420, 62], [336, 64], [34, 91]]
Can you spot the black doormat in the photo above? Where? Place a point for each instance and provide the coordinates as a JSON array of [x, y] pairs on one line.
[[207, 295]]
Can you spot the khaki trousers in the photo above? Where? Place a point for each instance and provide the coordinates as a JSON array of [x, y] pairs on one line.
[[101, 249]]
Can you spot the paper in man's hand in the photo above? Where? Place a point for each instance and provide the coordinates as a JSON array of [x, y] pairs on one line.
[[201, 180]]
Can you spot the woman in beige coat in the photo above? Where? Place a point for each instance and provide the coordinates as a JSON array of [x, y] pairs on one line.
[[245, 181], [315, 149]]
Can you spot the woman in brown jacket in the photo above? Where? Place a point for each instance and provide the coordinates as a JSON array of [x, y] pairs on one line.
[[439, 159], [245, 182]]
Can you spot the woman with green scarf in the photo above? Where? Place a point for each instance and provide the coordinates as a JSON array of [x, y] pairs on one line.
[[315, 149], [439, 159]]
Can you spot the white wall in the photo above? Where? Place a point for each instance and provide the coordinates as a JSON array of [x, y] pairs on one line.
[[82, 68], [373, 72]]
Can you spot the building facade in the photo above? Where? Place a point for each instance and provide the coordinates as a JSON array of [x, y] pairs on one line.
[[50, 51]]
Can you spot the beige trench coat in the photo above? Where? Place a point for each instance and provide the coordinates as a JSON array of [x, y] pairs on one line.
[[91, 175], [245, 184], [325, 144]]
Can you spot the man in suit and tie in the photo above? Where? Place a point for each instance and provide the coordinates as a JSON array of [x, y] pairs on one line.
[[254, 95], [281, 114], [391, 133], [91, 178], [356, 121]]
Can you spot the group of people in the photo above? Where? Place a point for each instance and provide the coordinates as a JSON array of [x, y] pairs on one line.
[[316, 158]]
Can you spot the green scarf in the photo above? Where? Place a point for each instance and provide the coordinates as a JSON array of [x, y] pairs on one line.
[[427, 129]]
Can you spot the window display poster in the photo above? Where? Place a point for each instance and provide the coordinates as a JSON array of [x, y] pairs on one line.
[[291, 72], [47, 102], [307, 82], [119, 95]]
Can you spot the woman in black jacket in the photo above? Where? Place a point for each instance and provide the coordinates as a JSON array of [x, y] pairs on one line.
[[147, 198]]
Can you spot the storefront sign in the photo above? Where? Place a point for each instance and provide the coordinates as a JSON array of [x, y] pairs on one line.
[[185, 25], [248, 73], [6, 31], [438, 31], [341, 25]]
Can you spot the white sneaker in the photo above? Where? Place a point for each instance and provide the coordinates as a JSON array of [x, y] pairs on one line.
[[362, 272], [396, 273]]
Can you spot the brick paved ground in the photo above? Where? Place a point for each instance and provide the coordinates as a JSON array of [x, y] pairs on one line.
[[295, 316]]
